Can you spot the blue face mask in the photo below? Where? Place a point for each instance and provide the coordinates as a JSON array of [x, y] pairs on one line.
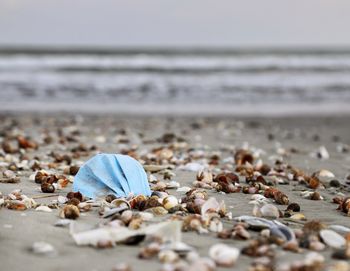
[[116, 174]]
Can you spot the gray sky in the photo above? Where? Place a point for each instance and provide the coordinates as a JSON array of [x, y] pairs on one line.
[[175, 22]]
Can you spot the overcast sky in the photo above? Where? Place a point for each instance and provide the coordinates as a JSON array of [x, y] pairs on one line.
[[175, 22]]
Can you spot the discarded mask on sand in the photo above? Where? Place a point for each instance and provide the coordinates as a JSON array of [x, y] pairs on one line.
[[116, 174]]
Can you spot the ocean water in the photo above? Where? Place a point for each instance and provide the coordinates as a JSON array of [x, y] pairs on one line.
[[163, 81]]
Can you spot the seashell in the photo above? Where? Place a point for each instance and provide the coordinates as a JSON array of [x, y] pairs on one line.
[[172, 185], [224, 255], [43, 208], [317, 246], [340, 229], [109, 212], [159, 186], [158, 211], [120, 203], [241, 233], [168, 256], [70, 211], [156, 168], [150, 251], [205, 176], [62, 222], [279, 230], [122, 267], [253, 222], [126, 216], [298, 216], [170, 230], [281, 198], [135, 223], [193, 223], [62, 199], [170, 202], [332, 239], [324, 173], [269, 211], [313, 182], [43, 248], [295, 207], [259, 198], [243, 156], [16, 205], [192, 166], [215, 225], [291, 246], [47, 187], [339, 266], [211, 205], [145, 216], [183, 189], [322, 153]]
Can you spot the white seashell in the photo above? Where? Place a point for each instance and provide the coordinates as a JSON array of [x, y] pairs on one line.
[[152, 178], [211, 204], [170, 202], [183, 189], [259, 198], [325, 173], [168, 256], [62, 199], [313, 258], [169, 231], [224, 255], [340, 229], [43, 208], [192, 167], [43, 248], [172, 185], [332, 239], [215, 225], [269, 211]]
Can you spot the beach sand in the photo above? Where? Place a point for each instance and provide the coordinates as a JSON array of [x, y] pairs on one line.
[[298, 136]]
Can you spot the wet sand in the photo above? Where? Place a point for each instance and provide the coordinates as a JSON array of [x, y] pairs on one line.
[[299, 136]]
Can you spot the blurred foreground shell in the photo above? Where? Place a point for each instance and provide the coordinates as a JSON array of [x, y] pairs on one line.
[[332, 239], [224, 255]]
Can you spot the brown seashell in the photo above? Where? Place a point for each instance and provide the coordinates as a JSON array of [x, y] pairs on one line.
[[73, 170], [8, 148], [150, 251], [345, 206], [138, 202], [77, 195], [40, 177], [242, 157], [26, 143], [225, 234], [295, 207], [16, 205], [47, 187], [135, 223], [109, 198], [313, 182], [73, 201], [280, 198], [70, 211]]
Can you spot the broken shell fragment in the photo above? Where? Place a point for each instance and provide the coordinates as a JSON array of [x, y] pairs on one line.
[[43, 248], [43, 208], [224, 255]]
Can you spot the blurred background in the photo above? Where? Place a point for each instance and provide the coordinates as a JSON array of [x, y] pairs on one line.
[[175, 57]]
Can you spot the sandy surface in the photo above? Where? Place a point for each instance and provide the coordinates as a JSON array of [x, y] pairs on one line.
[[20, 229]]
